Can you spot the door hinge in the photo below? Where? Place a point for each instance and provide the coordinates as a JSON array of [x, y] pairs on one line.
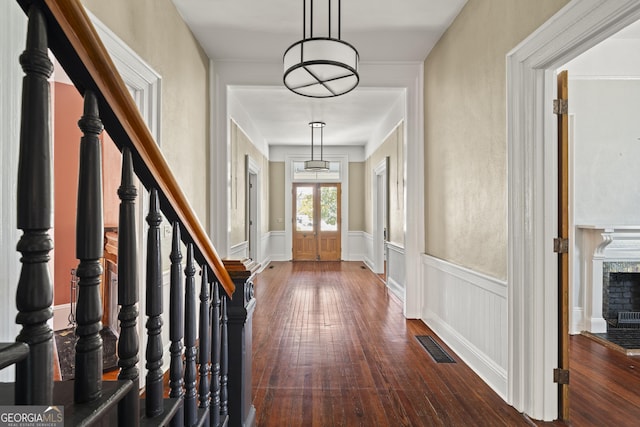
[[560, 106], [561, 376], [560, 245]]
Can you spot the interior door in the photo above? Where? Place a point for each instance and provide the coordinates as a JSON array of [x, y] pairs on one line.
[[316, 222], [563, 254]]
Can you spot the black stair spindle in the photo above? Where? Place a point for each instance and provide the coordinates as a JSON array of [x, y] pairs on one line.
[[205, 348], [190, 404], [34, 296], [128, 291], [89, 250], [154, 398], [176, 324], [224, 358], [215, 356]]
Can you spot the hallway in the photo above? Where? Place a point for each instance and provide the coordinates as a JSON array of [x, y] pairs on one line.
[[332, 348]]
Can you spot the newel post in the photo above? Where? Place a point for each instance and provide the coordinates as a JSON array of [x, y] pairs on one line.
[[240, 314]]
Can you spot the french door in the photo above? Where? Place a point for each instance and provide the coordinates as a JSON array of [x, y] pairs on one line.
[[316, 222]]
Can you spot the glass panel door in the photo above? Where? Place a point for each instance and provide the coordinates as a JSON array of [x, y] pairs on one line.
[[316, 230], [304, 234]]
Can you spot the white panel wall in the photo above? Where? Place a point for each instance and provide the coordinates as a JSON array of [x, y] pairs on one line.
[[357, 249], [396, 270], [277, 246], [468, 311]]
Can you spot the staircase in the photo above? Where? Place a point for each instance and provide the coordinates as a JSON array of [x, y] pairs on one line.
[[199, 351]]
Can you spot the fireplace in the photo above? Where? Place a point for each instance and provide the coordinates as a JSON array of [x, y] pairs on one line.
[[608, 275], [620, 292]]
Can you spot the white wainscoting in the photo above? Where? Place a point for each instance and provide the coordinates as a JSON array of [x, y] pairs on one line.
[[356, 246], [468, 311], [367, 257], [396, 270], [265, 255], [239, 251], [277, 246]]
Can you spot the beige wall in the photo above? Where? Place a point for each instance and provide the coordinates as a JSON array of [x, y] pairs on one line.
[[276, 196], [356, 196], [392, 147], [241, 146], [465, 131], [155, 31]]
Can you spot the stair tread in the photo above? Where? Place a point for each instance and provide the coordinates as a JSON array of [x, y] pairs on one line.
[[171, 406], [77, 414]]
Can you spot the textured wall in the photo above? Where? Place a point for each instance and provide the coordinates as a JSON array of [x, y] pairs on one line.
[[241, 146], [356, 196], [392, 147], [156, 32], [276, 196], [465, 131]]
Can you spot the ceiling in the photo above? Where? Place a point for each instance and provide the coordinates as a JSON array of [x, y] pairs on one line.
[[237, 31]]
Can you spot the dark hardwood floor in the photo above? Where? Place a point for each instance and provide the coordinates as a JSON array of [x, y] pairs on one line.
[[332, 348]]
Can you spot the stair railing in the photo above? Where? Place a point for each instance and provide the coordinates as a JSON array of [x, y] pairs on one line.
[[65, 28]]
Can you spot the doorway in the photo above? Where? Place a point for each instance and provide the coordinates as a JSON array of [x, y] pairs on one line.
[[531, 69], [381, 216], [317, 222], [252, 211]]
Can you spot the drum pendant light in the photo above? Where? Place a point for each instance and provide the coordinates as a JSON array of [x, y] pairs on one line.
[[320, 67], [316, 165]]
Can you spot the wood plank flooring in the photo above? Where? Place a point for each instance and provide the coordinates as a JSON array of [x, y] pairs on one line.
[[332, 348], [604, 387]]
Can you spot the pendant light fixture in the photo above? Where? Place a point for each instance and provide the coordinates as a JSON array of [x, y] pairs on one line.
[[320, 67], [316, 165]]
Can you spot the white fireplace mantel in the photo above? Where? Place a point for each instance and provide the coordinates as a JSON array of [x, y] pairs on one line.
[[600, 244]]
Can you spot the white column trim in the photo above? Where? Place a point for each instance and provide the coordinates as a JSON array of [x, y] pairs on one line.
[[532, 215], [414, 236]]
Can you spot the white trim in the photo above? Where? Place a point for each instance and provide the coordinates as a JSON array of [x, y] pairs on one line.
[[368, 250], [356, 246], [239, 251], [455, 294], [378, 234], [414, 236], [396, 274], [137, 74], [532, 174], [253, 168], [277, 246]]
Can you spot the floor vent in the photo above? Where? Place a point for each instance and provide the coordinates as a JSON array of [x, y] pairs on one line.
[[433, 348]]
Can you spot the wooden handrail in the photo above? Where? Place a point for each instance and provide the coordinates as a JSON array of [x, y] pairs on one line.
[[78, 29]]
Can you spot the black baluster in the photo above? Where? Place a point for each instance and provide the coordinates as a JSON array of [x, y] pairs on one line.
[[128, 291], [176, 325], [153, 402], [89, 250], [34, 296], [224, 358], [205, 348], [215, 356], [190, 404]]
